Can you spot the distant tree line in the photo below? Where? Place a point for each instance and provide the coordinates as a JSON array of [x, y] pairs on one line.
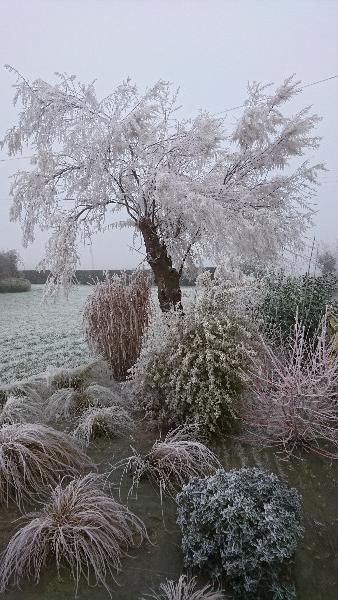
[[91, 276]]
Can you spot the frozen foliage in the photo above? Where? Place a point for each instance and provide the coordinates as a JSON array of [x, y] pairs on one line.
[[102, 422], [115, 316], [171, 461], [184, 589], [307, 295], [33, 457], [192, 188], [81, 528], [61, 377], [20, 410], [294, 400], [241, 525], [69, 404], [196, 377]]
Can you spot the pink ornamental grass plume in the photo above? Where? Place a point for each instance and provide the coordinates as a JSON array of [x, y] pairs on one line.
[[171, 462], [294, 400], [184, 589], [81, 528], [34, 456]]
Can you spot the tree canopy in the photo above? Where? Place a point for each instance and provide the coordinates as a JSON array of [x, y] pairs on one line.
[[194, 189]]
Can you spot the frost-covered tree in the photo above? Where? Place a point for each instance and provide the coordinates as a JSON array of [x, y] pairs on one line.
[[190, 187]]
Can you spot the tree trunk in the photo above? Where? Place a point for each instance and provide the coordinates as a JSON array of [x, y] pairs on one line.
[[167, 278]]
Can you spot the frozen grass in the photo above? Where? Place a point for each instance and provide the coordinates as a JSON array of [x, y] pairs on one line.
[[19, 410], [115, 316], [107, 422], [294, 403], [81, 528], [171, 462], [33, 457], [184, 589], [70, 403]]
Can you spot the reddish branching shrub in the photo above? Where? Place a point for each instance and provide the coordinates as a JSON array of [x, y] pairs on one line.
[[33, 457], [81, 528], [115, 316], [294, 400]]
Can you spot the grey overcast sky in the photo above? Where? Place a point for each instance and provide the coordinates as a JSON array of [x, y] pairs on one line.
[[210, 48]]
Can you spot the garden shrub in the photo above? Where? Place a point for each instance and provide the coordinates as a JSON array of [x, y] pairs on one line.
[[241, 525], [307, 295], [195, 377]]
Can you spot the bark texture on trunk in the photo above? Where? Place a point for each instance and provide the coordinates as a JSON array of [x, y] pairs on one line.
[[166, 277]]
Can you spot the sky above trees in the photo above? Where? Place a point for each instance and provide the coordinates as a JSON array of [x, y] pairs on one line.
[[211, 49]]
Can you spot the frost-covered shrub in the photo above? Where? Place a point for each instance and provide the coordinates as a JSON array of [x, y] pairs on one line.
[[81, 528], [115, 316], [307, 295], [293, 404], [171, 461], [241, 525], [184, 589], [107, 422], [33, 457], [195, 376]]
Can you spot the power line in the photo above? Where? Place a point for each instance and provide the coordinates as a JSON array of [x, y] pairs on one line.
[[219, 113], [302, 88]]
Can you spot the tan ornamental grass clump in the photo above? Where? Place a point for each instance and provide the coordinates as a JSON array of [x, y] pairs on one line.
[[115, 316], [19, 409], [69, 403], [109, 421], [33, 457], [81, 529], [184, 589], [171, 461]]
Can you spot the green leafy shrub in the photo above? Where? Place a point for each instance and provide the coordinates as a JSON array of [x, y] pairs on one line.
[[241, 525], [309, 295]]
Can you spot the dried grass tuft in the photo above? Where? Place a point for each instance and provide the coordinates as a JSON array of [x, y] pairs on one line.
[[171, 462], [19, 410], [33, 457], [68, 403], [81, 528], [107, 422], [184, 589], [115, 317]]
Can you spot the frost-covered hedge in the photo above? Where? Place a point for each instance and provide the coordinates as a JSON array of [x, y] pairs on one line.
[[14, 284], [307, 295], [241, 525], [191, 371]]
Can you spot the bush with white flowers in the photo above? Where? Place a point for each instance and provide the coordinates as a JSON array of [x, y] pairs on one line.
[[191, 371], [241, 525]]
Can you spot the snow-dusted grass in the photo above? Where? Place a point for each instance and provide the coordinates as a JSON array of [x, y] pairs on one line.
[[81, 528], [171, 461], [184, 589], [34, 456], [108, 422], [19, 409]]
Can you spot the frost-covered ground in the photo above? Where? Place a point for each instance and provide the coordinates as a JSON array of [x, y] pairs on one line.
[[34, 335]]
